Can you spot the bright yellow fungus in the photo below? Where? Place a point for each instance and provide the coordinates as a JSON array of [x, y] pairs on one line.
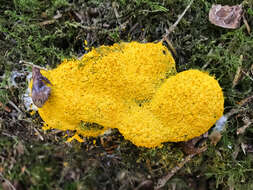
[[133, 87], [184, 107]]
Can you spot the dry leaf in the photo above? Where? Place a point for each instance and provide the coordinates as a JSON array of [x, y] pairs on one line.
[[226, 16]]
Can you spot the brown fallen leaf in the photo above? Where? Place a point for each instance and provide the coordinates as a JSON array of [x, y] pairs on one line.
[[226, 16]]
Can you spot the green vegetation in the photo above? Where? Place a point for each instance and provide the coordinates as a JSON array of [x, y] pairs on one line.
[[45, 32]]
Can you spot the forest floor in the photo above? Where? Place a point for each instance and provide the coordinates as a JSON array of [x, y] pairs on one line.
[[46, 32]]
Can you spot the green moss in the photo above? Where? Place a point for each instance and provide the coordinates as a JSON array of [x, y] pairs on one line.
[[53, 164]]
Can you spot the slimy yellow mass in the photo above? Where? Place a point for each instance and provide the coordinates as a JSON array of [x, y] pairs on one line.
[[133, 87]]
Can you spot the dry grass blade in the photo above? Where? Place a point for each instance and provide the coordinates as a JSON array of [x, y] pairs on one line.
[[246, 23], [237, 76], [38, 133], [238, 73]]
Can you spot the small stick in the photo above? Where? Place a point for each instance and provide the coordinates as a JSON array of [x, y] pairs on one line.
[[116, 12], [161, 182], [8, 135], [13, 105], [247, 75], [240, 109], [172, 28], [246, 100], [171, 46], [242, 129], [38, 133], [31, 64]]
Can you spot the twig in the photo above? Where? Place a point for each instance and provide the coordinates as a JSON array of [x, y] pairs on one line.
[[114, 6], [13, 105], [171, 46], [31, 64], [8, 135], [133, 28], [38, 133], [247, 75], [161, 182], [242, 129], [172, 28], [246, 100], [241, 104], [7, 181]]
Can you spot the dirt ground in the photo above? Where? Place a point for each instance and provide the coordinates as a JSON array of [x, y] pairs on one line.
[[45, 32]]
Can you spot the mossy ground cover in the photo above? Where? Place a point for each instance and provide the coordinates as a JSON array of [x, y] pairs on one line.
[[45, 32]]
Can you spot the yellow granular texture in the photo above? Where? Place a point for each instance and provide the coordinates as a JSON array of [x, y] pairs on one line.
[[184, 107], [188, 104], [102, 87], [143, 128], [133, 87]]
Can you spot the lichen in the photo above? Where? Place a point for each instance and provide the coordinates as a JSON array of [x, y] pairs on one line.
[[133, 87]]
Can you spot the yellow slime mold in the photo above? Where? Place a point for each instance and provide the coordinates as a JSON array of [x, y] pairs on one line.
[[130, 86]]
